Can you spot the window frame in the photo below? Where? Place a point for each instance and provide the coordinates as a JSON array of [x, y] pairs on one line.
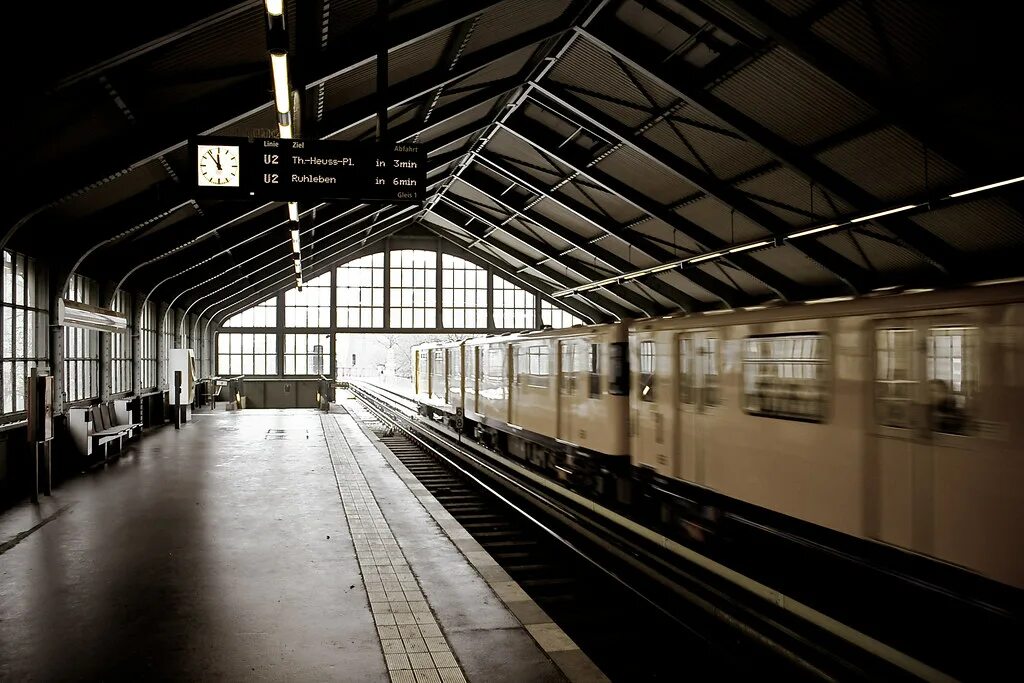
[[826, 381]]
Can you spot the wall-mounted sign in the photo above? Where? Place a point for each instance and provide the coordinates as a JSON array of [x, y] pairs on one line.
[[272, 169]]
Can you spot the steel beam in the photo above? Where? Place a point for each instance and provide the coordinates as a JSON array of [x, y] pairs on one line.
[[641, 54]]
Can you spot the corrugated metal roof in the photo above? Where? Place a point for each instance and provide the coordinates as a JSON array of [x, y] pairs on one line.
[[793, 8], [627, 252], [890, 164], [883, 255], [716, 217], [671, 240], [584, 59], [681, 282], [510, 19], [795, 265], [557, 214], [475, 114], [978, 226], [652, 179], [788, 187], [119, 189], [912, 31], [743, 280], [791, 99]]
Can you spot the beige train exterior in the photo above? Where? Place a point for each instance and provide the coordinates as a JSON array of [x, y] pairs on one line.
[[536, 383], [958, 497]]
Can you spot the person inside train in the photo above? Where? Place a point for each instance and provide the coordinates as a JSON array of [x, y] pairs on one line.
[[947, 416]]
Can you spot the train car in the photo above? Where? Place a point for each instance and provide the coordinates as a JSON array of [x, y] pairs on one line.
[[553, 398], [437, 379], [894, 418]]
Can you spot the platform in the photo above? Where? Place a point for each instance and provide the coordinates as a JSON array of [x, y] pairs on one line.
[[262, 545]]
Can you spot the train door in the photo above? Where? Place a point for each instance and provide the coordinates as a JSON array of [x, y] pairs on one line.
[[926, 389], [650, 408], [566, 390], [478, 352], [698, 396], [512, 382], [417, 387]]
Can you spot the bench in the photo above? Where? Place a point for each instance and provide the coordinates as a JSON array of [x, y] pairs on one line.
[[99, 426]]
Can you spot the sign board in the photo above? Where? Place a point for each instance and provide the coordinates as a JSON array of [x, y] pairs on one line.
[[284, 170]]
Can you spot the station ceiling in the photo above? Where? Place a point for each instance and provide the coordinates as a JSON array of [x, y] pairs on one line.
[[569, 141]]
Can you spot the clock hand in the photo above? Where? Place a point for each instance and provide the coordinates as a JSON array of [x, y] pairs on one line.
[[209, 153], [218, 161]]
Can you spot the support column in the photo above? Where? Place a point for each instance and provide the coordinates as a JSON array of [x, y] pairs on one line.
[[279, 334], [136, 342], [105, 371], [438, 318], [387, 283], [57, 278], [332, 370], [490, 298]]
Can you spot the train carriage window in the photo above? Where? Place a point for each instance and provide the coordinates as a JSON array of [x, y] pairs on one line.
[[952, 368], [533, 366], [709, 368], [647, 367], [594, 368], [454, 366], [786, 376], [686, 378], [438, 362], [894, 377]]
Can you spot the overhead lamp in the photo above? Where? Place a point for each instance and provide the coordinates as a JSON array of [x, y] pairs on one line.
[[298, 266], [830, 300], [285, 130], [296, 247], [275, 8], [705, 257], [811, 231], [755, 245], [887, 212], [298, 282], [279, 68], [293, 211], [74, 314], [988, 187]]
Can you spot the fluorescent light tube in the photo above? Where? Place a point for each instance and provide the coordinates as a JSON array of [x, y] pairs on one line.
[[755, 245], [705, 257], [293, 211], [275, 7], [988, 187], [295, 242], [883, 213], [811, 231], [75, 314], [286, 131], [830, 300], [279, 67], [298, 266]]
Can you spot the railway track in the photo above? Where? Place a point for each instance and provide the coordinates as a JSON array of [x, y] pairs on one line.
[[637, 613]]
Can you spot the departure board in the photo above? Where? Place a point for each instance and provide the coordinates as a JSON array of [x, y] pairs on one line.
[[285, 170]]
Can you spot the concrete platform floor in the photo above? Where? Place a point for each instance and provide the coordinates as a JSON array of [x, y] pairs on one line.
[[222, 551]]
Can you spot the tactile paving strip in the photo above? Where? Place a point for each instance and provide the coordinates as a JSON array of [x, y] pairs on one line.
[[415, 649]]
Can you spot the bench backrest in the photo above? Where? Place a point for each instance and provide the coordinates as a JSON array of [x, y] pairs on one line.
[[97, 419], [108, 415]]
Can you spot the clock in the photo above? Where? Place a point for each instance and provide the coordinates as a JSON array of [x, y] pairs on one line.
[[218, 165]]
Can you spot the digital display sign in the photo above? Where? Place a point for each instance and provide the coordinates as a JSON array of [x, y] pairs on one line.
[[285, 170]]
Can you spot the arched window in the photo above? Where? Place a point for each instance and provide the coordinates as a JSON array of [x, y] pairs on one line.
[[463, 294], [514, 307], [312, 306], [413, 288], [556, 317], [361, 292], [260, 315]]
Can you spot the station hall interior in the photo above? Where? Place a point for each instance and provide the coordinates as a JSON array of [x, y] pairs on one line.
[[512, 340]]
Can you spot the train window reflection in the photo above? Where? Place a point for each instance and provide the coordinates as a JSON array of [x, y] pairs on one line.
[[647, 367], [785, 376], [894, 376], [594, 368], [952, 368]]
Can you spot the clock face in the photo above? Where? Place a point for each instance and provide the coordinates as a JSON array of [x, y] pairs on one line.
[[218, 165]]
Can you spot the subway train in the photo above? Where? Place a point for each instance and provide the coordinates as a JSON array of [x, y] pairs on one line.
[[893, 417]]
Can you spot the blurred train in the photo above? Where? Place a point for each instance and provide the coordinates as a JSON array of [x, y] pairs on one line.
[[895, 417]]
